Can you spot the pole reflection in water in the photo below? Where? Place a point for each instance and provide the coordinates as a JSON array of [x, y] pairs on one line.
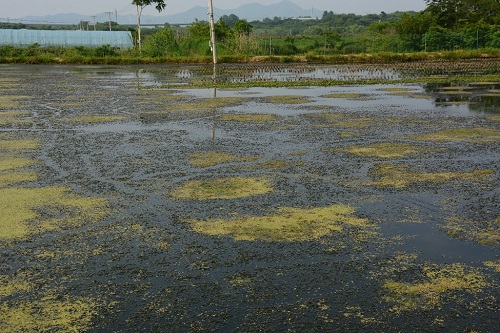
[[214, 95]]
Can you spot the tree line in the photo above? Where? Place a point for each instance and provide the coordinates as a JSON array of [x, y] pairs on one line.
[[442, 25]]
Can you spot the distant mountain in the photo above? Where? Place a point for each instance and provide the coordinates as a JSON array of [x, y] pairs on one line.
[[250, 12]]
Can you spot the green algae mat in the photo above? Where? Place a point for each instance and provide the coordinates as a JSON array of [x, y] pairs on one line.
[[131, 201]]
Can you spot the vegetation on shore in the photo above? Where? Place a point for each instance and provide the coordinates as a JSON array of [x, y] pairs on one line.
[[445, 30]]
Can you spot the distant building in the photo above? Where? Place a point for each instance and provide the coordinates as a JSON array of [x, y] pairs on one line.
[[66, 38]]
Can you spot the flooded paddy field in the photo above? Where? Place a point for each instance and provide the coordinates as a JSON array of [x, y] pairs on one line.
[[130, 206]]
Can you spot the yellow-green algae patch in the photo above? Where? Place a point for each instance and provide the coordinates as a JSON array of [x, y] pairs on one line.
[[340, 120], [8, 101], [204, 160], [10, 178], [383, 150], [328, 117], [52, 313], [437, 283], [250, 118], [344, 95], [12, 286], [474, 135], [16, 145], [224, 188], [398, 176], [287, 99], [493, 264], [13, 162], [397, 89], [93, 119], [208, 103], [69, 104], [494, 118], [483, 232], [277, 164], [287, 225], [21, 209]]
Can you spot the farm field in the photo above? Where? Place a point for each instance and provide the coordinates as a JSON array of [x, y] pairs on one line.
[[142, 199]]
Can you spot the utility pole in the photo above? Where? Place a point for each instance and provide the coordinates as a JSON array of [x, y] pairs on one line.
[[212, 31], [109, 19], [116, 16]]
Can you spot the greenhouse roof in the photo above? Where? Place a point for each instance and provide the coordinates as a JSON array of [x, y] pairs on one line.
[[65, 38]]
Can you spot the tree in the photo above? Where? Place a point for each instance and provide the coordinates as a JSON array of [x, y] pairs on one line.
[[412, 28], [161, 43], [199, 30], [242, 27], [140, 5], [453, 14]]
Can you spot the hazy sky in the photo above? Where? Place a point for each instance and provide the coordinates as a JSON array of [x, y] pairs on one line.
[[15, 9]]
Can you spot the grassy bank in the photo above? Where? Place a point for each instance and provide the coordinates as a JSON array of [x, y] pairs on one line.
[[38, 55]]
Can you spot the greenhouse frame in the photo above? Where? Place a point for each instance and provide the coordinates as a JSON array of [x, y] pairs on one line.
[[65, 38]]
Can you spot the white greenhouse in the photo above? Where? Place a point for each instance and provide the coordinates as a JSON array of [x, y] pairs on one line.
[[65, 38]]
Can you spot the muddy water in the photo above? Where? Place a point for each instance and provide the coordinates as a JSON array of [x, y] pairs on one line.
[[362, 208]]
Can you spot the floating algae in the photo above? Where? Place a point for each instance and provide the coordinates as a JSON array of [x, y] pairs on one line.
[[438, 283], [344, 95], [398, 176], [493, 264], [10, 178], [483, 232], [204, 160], [21, 209], [203, 104], [16, 145], [338, 120], [9, 102], [277, 164], [13, 117], [93, 119], [224, 188], [11, 286], [473, 135], [287, 225], [14, 162], [250, 118], [287, 99], [52, 313], [383, 150]]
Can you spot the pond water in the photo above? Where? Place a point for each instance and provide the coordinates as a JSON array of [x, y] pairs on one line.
[[131, 206]]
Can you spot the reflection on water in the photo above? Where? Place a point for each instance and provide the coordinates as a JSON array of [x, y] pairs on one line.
[[483, 97], [296, 72]]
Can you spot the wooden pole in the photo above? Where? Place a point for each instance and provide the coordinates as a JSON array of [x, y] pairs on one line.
[[212, 31]]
